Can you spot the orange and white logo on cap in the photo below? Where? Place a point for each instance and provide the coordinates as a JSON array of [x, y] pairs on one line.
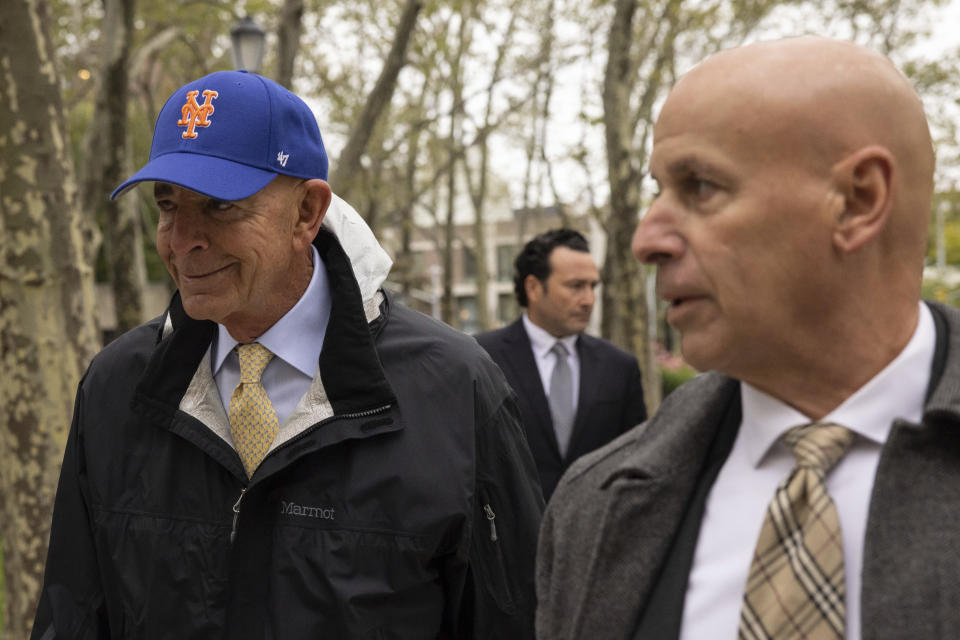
[[193, 114]]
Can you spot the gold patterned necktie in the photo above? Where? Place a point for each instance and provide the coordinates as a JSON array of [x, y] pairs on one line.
[[796, 585], [253, 421]]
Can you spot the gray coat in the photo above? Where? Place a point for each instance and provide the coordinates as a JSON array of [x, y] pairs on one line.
[[611, 521]]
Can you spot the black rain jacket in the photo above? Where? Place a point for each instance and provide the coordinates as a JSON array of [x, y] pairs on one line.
[[408, 509]]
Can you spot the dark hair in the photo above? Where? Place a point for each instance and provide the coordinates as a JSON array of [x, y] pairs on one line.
[[535, 258]]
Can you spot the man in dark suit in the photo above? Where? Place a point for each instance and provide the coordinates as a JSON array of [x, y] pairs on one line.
[[809, 485], [577, 400]]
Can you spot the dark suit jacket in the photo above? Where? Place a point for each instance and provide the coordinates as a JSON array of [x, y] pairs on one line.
[[609, 539], [610, 401]]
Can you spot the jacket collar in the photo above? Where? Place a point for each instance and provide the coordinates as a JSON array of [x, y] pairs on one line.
[[368, 260], [694, 408], [642, 500], [913, 507], [943, 396]]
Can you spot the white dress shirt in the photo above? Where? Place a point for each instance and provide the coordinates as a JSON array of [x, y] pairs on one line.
[[542, 341], [758, 462], [295, 340]]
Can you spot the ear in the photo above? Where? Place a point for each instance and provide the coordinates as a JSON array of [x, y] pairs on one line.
[[533, 287], [865, 182], [314, 202]]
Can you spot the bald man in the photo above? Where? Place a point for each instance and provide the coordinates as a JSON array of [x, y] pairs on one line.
[[808, 485]]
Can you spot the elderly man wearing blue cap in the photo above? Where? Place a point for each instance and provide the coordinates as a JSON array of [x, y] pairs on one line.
[[286, 452]]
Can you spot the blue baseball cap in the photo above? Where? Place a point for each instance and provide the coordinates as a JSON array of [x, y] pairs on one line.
[[228, 134]]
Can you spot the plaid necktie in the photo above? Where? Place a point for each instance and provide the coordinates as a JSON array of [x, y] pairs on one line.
[[253, 421], [795, 588]]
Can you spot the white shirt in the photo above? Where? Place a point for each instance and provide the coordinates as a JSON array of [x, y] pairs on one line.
[[295, 340], [758, 462], [542, 341]]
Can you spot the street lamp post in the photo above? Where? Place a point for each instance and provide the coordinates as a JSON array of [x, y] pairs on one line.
[[247, 39]]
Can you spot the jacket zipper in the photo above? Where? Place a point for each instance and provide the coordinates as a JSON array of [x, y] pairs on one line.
[[356, 414], [341, 416], [359, 414], [236, 515], [491, 516]]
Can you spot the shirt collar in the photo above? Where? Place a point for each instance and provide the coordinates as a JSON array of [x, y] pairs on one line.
[[297, 337], [542, 341], [898, 391]]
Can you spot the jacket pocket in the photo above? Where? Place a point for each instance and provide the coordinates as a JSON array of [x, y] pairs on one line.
[[353, 583], [164, 576], [487, 558]]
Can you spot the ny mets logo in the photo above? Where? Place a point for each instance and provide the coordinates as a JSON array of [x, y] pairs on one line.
[[196, 115]]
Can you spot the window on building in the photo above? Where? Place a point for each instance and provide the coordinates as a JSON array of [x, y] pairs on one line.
[[506, 254], [469, 264]]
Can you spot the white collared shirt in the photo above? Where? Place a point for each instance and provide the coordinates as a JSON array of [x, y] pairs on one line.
[[295, 340], [758, 462], [542, 341]]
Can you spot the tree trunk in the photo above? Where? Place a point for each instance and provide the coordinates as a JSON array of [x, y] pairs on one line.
[[478, 189], [480, 249], [122, 229], [142, 63], [107, 163], [344, 177], [447, 303], [624, 290], [288, 40], [47, 331], [454, 150], [547, 172], [372, 206], [404, 265], [547, 76]]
